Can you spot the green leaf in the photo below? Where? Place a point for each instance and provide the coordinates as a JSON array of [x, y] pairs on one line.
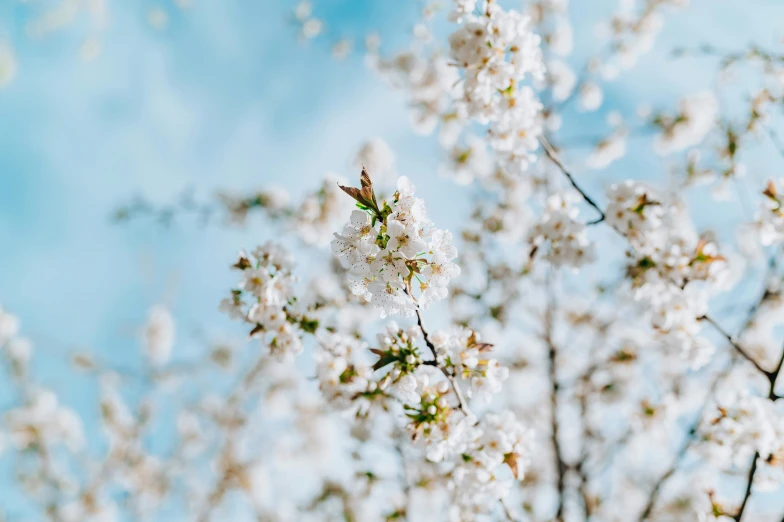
[[387, 359], [308, 325]]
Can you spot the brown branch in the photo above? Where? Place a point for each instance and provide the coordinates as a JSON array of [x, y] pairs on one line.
[[554, 158], [772, 376], [747, 494], [579, 467], [691, 435], [588, 435], [690, 439], [405, 479], [552, 354]]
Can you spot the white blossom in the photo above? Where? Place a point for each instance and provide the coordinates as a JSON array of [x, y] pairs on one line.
[[590, 97], [770, 216], [264, 298], [44, 421], [469, 162], [496, 51], [559, 237], [696, 117], [472, 361], [395, 253], [341, 377], [634, 208], [158, 335], [673, 271], [478, 481], [744, 425], [608, 151], [562, 78]]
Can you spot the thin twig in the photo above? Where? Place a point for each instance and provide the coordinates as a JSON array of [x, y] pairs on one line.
[[217, 494], [579, 467], [747, 494], [404, 477], [554, 158], [691, 435], [552, 353], [690, 439], [734, 343], [772, 376], [588, 434], [461, 402]]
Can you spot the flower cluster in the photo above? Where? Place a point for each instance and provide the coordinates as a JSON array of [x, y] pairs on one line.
[[672, 269], [744, 425], [634, 210], [496, 50], [608, 150], [633, 29], [385, 247], [434, 419], [467, 162], [696, 117], [398, 348], [342, 379], [264, 298], [138, 472], [478, 451], [43, 423], [275, 203], [313, 220], [393, 252], [770, 217], [479, 480], [559, 237], [462, 352]]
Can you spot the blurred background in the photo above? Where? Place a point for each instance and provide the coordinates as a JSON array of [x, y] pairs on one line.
[[104, 101]]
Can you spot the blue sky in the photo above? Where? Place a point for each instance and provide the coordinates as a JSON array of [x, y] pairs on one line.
[[227, 97], [223, 98]]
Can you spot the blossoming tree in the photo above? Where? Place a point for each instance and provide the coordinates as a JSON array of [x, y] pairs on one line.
[[557, 393]]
